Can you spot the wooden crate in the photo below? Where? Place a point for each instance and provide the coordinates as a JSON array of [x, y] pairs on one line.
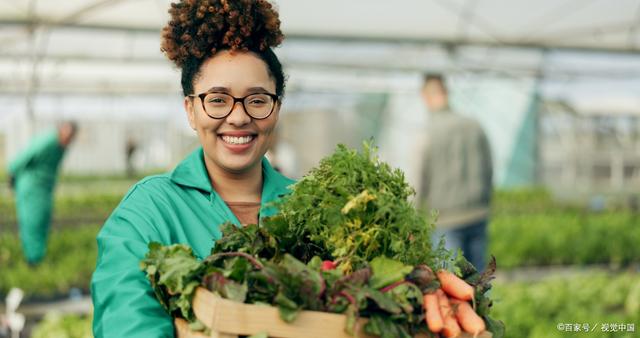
[[229, 319]]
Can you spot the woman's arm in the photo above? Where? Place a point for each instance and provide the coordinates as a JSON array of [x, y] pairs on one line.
[[124, 302], [27, 156]]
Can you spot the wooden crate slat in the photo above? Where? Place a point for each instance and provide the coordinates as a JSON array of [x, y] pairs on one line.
[[247, 319], [183, 331], [228, 319]]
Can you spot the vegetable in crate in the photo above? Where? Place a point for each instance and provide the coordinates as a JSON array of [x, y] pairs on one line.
[[346, 240], [349, 209]]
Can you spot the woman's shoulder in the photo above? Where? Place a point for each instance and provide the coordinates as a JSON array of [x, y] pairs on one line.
[[142, 209], [149, 186], [150, 195]]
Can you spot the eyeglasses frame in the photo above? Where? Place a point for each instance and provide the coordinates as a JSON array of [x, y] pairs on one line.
[[201, 96]]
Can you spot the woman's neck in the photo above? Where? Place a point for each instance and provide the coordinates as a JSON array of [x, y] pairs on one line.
[[236, 187]]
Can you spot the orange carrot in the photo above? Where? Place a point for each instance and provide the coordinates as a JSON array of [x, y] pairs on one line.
[[432, 312], [451, 327], [468, 318], [454, 286], [443, 302]]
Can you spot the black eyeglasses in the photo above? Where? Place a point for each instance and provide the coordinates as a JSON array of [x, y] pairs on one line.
[[219, 105]]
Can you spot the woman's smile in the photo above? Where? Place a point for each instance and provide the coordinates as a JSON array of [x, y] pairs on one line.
[[238, 141]]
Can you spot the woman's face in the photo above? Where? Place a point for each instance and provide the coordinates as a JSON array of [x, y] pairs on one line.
[[236, 143]]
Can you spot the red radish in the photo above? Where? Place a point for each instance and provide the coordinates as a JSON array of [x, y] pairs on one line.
[[454, 286], [327, 265]]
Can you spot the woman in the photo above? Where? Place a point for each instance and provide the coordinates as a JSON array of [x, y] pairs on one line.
[[233, 85]]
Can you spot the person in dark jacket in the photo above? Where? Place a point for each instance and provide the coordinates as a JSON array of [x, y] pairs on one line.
[[456, 176]]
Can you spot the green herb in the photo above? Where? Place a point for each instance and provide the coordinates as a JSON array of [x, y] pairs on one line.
[[174, 273], [352, 208], [387, 271]]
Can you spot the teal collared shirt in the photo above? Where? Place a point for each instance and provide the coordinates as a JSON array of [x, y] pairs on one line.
[[37, 166], [177, 207], [35, 170]]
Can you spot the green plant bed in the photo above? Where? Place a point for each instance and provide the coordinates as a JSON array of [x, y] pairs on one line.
[[86, 208], [69, 263], [517, 200], [565, 237], [84, 178], [55, 325], [534, 310], [86, 205], [539, 200]]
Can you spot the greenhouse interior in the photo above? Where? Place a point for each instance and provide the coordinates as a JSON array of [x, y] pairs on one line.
[[553, 85]]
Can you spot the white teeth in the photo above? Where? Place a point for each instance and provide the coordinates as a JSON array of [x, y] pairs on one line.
[[237, 140]]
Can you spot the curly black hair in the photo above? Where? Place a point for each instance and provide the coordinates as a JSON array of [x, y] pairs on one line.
[[198, 29]]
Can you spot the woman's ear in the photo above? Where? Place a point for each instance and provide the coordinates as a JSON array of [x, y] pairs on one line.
[[189, 109]]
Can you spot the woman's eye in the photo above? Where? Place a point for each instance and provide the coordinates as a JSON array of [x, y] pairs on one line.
[[216, 100]]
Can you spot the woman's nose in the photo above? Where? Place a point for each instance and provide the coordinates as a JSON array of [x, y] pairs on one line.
[[238, 116]]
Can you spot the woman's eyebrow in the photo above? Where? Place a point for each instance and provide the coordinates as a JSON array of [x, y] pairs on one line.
[[251, 90], [218, 89], [257, 90]]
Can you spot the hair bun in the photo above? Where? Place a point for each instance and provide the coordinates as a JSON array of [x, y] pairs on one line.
[[200, 28]]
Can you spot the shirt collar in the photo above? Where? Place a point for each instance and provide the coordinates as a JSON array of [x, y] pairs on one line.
[[191, 172], [275, 184]]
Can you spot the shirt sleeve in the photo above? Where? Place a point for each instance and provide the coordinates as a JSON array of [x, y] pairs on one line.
[[124, 302], [425, 175], [29, 155], [487, 166]]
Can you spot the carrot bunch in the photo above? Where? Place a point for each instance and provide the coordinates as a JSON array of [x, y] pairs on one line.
[[448, 311]]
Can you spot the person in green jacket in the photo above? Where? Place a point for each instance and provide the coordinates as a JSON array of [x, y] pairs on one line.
[[233, 85], [32, 176]]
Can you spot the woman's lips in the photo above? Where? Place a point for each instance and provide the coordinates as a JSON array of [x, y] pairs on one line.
[[238, 143]]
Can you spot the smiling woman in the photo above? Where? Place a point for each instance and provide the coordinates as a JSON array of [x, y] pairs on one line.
[[233, 138], [233, 85]]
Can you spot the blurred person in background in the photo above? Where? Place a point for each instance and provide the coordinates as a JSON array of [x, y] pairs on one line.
[[32, 176], [130, 148], [233, 84], [456, 174]]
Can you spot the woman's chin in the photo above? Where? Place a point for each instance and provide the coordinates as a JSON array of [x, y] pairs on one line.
[[238, 163]]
